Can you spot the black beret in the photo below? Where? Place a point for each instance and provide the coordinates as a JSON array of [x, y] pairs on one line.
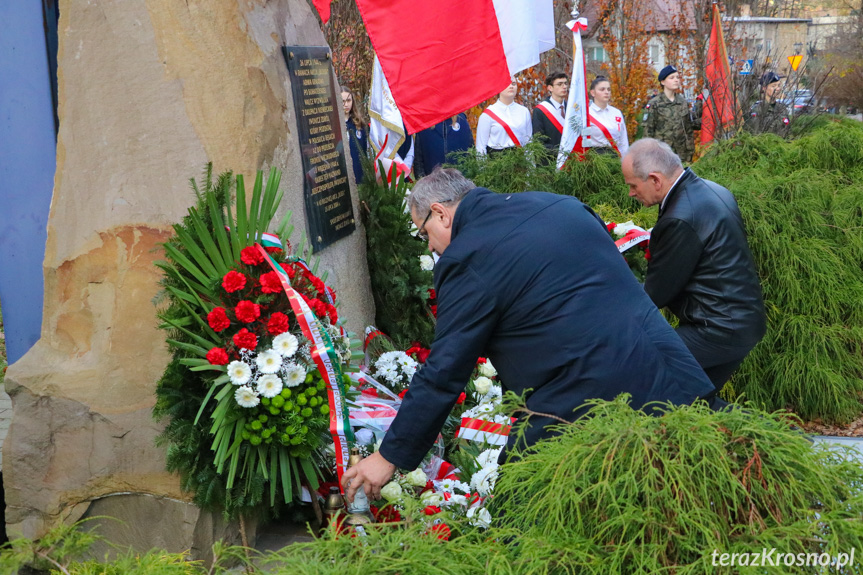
[[770, 77], [666, 72]]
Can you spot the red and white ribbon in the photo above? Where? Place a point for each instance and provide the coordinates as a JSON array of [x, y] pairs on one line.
[[474, 429]]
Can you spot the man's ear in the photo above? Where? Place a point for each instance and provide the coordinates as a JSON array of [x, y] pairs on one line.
[[655, 179]]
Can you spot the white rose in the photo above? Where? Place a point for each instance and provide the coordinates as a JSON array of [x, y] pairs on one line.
[[431, 498], [392, 491], [416, 478], [487, 369], [426, 263], [364, 436], [482, 385]]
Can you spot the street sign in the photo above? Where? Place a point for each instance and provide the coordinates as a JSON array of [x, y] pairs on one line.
[[746, 67], [795, 61]]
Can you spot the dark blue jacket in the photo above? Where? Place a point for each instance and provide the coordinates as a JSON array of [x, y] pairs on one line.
[[534, 282], [359, 138], [434, 146]]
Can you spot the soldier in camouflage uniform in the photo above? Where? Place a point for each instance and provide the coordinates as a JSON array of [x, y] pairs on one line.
[[769, 114], [669, 118]]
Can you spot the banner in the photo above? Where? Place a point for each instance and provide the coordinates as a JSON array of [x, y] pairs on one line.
[[718, 110], [576, 120]]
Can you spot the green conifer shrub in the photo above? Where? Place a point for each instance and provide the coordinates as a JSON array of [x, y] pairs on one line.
[[399, 285], [802, 204]]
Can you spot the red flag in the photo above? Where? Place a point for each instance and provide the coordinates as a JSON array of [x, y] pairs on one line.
[[440, 58], [323, 7], [719, 107]]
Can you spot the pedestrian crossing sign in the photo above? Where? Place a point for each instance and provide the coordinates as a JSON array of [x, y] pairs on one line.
[[795, 61], [746, 67]]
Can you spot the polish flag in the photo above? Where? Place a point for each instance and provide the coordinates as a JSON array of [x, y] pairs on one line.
[[323, 7], [441, 57], [576, 120], [386, 132]]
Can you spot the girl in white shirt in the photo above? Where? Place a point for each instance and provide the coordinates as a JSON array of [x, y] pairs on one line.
[[491, 136], [609, 117]]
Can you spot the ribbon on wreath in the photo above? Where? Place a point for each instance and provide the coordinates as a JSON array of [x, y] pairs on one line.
[[328, 291], [474, 429], [324, 355]]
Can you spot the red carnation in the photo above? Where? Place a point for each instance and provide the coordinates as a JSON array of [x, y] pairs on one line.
[[245, 339], [270, 283], [433, 310], [217, 356], [441, 530], [233, 281], [481, 360], [318, 306], [251, 256], [289, 269], [647, 254], [386, 514], [461, 398], [247, 312], [610, 226], [272, 249], [278, 323], [332, 314], [218, 319], [431, 509]]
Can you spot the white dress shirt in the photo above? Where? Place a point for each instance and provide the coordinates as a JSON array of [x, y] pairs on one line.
[[612, 119], [490, 134]]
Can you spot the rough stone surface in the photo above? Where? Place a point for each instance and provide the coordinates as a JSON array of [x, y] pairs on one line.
[[149, 92]]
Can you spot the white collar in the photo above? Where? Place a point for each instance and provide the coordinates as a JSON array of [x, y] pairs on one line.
[[662, 205]]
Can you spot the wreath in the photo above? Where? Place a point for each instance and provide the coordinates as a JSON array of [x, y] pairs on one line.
[[254, 395]]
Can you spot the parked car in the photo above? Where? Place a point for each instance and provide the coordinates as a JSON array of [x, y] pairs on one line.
[[801, 102]]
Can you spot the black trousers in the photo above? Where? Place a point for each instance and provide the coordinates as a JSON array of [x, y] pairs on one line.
[[719, 360]]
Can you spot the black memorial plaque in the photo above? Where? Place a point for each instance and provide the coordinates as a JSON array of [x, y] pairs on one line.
[[329, 213]]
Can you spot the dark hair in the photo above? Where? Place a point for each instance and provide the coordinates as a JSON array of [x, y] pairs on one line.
[[356, 109], [597, 80], [554, 76]]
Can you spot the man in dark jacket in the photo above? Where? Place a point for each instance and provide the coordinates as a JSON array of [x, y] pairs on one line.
[[534, 282], [700, 265], [439, 144]]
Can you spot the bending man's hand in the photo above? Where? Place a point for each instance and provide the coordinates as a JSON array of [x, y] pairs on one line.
[[371, 474]]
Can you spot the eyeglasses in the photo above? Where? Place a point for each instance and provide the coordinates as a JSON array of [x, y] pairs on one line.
[[421, 232]]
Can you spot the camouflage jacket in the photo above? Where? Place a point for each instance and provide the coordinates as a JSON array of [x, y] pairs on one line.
[[671, 122], [768, 117]]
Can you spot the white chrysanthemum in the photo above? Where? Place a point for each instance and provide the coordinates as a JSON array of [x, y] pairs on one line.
[[484, 408], [479, 517], [456, 500], [239, 372], [426, 263], [431, 498], [483, 480], [269, 361], [392, 491], [445, 485], [488, 457], [487, 369], [482, 385], [404, 360], [295, 374], [269, 385], [246, 396], [286, 344], [416, 478]]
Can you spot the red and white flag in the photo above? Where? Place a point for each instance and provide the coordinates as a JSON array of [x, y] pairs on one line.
[[718, 110], [323, 7], [576, 120], [445, 56]]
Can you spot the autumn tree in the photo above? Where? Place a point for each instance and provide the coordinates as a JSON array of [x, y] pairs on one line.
[[622, 30], [844, 53]]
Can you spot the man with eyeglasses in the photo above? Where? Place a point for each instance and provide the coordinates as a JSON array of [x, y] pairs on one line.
[[534, 282], [548, 116]]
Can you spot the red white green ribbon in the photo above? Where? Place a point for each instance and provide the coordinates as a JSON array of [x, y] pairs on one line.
[[324, 355]]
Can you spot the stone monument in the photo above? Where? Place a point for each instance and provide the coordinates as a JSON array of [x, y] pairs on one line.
[[149, 92]]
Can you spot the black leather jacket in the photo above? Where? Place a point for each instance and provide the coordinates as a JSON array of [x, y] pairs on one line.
[[701, 267]]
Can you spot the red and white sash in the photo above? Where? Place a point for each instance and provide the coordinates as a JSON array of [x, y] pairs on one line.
[[604, 130], [551, 113], [503, 125]]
